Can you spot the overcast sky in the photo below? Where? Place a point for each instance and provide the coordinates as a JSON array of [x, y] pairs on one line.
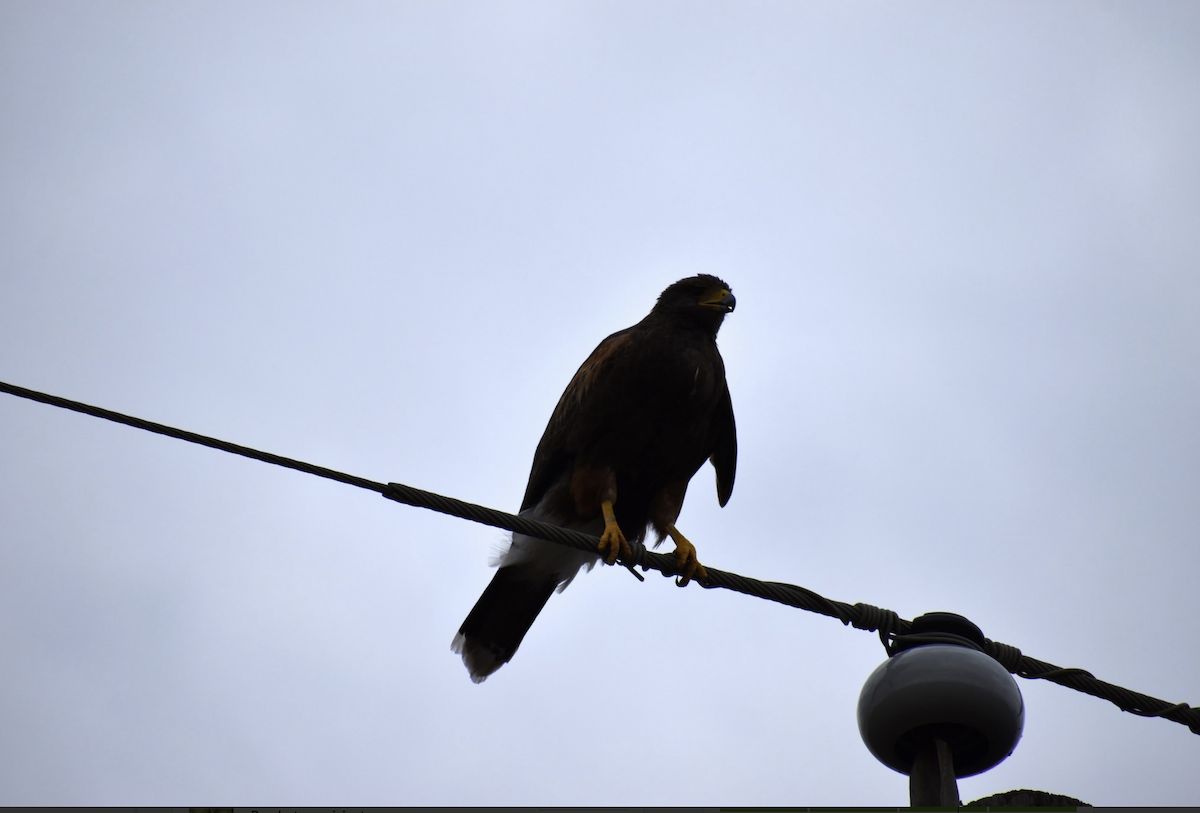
[[380, 237]]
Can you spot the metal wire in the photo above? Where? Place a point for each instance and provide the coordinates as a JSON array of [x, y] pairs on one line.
[[860, 616]]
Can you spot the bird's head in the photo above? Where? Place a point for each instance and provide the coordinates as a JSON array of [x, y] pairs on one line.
[[702, 299]]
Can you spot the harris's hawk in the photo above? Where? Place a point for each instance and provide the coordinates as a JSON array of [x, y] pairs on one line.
[[638, 419]]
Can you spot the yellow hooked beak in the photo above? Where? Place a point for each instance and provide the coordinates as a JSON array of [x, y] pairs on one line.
[[721, 299]]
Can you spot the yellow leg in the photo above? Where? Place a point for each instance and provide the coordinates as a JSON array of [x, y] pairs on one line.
[[685, 558], [612, 541]]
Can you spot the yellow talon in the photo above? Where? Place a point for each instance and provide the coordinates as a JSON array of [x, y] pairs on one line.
[[612, 541], [685, 558]]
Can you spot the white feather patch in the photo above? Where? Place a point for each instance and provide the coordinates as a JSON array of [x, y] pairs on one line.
[[551, 558]]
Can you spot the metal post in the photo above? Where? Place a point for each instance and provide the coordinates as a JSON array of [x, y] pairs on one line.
[[931, 782]]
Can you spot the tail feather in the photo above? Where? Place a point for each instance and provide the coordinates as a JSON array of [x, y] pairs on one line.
[[530, 571], [493, 630]]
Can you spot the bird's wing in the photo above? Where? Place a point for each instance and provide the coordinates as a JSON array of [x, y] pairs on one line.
[[724, 456], [576, 409]]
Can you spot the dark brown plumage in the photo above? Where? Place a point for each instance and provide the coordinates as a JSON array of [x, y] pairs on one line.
[[638, 419]]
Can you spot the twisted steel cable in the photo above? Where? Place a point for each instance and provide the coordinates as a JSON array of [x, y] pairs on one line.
[[861, 616]]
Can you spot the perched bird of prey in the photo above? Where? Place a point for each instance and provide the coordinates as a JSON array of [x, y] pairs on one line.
[[638, 419]]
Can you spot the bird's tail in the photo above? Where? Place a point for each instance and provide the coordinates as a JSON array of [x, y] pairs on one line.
[[530, 571], [493, 630]]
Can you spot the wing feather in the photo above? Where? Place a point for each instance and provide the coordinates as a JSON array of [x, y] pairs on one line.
[[724, 456], [553, 455]]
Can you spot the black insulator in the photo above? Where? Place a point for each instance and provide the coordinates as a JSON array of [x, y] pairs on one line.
[[941, 685]]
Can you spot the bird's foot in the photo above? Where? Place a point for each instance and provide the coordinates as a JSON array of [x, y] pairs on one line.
[[612, 541], [685, 559]]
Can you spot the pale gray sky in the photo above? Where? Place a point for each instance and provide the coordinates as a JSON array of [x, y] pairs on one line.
[[381, 236]]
